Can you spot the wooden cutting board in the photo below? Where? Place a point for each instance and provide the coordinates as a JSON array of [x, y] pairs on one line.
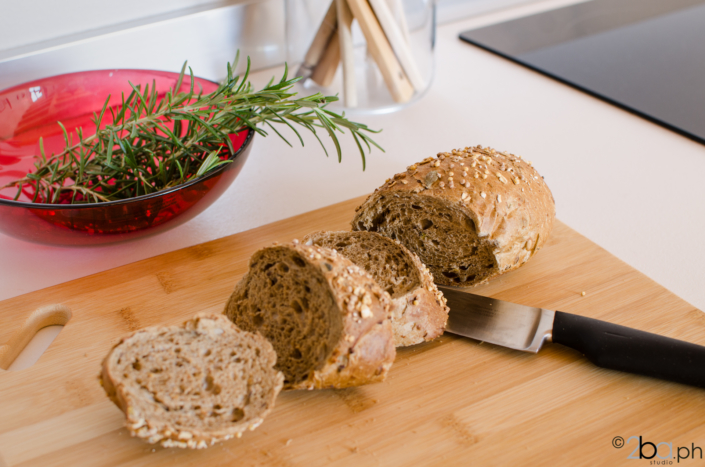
[[453, 401]]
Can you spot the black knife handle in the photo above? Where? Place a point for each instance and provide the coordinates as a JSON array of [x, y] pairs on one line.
[[625, 349]]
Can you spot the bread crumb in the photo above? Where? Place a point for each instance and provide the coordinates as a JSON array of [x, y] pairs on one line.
[[582, 293], [289, 441]]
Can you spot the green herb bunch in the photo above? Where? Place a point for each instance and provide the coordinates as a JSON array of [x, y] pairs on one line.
[[153, 144]]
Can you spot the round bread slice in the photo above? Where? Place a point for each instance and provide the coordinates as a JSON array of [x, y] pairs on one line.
[[419, 312], [326, 318], [193, 385], [469, 215]]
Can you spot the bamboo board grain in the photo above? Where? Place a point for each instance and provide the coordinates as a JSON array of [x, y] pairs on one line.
[[453, 401]]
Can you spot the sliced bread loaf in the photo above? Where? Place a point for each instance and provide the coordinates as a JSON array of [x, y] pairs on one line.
[[419, 311], [326, 318], [193, 385], [469, 215]]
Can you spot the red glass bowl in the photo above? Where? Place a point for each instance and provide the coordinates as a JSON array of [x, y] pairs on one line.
[[30, 111]]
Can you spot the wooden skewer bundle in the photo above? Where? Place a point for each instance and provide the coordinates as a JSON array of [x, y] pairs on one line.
[[387, 42]]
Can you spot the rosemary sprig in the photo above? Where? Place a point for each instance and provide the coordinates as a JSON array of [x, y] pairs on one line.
[[153, 144]]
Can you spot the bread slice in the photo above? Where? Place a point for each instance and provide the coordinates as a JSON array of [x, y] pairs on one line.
[[469, 215], [419, 312], [326, 318], [193, 385]]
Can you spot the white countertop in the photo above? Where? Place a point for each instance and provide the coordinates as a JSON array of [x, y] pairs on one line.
[[632, 187]]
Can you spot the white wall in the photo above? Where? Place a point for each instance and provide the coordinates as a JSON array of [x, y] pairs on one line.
[[207, 39], [28, 24]]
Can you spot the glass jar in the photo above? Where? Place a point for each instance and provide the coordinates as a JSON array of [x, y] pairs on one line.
[[409, 48]]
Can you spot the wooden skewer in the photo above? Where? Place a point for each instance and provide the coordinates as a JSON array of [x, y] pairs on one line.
[[324, 72], [399, 86], [345, 18], [397, 10], [320, 42], [398, 43]]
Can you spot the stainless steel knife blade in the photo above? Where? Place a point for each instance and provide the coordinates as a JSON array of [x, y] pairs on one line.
[[498, 322]]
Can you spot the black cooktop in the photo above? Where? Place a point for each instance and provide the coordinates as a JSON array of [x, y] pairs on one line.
[[645, 56]]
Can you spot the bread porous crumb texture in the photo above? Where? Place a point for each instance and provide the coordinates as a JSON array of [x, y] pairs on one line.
[[386, 262], [419, 311], [469, 214], [193, 385], [287, 301], [326, 318]]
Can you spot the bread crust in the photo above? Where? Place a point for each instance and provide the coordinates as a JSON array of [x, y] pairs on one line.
[[139, 423], [365, 350], [418, 315], [510, 207]]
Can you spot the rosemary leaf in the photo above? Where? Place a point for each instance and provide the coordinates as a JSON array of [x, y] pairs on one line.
[[154, 142]]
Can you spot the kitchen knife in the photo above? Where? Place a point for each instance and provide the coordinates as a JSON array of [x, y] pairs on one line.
[[605, 344]]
